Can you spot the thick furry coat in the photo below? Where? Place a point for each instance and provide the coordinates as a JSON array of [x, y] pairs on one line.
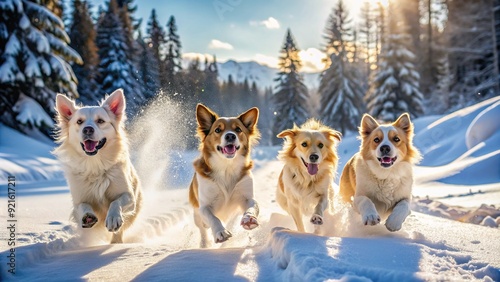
[[310, 163], [93, 149]]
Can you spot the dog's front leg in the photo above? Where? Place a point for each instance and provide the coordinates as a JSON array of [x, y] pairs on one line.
[[366, 208], [123, 204], [249, 219], [317, 217], [220, 233], [395, 221], [86, 214]]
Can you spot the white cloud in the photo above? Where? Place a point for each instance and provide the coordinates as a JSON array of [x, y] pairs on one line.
[[266, 60], [312, 60], [217, 44], [270, 23]]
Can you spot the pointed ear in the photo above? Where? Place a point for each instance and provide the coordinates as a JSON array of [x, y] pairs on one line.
[[333, 134], [404, 122], [368, 124], [65, 107], [250, 118], [115, 103], [205, 118]]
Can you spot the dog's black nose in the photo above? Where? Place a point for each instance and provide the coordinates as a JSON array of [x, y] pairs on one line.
[[230, 137], [313, 158], [385, 149], [88, 130]]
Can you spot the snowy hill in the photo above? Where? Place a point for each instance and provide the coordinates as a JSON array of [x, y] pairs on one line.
[[451, 235], [262, 75]]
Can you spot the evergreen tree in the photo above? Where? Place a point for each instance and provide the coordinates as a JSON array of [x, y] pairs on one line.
[[291, 96], [172, 63], [472, 51], [116, 70], [34, 64], [157, 40], [211, 90], [395, 88], [82, 24], [149, 69], [340, 89]]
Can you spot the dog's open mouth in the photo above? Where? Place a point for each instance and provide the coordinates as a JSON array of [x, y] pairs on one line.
[[91, 147], [387, 161], [312, 168], [228, 150]]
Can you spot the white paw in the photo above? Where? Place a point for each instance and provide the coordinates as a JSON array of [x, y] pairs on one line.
[[88, 220], [249, 222], [222, 236], [114, 222], [393, 223], [371, 219], [317, 219]]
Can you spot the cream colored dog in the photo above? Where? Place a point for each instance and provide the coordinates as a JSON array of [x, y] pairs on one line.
[[94, 152], [379, 178], [305, 183]]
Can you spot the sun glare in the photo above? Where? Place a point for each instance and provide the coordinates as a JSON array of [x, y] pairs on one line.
[[384, 3]]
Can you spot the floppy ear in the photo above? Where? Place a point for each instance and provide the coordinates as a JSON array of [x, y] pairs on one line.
[[250, 118], [288, 133], [404, 122], [65, 107], [368, 124], [115, 103], [333, 134], [205, 118]]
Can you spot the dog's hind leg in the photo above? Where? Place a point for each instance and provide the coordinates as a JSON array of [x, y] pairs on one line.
[[117, 237], [203, 228], [294, 211]]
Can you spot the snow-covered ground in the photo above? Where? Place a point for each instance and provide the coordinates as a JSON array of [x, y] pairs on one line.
[[452, 234]]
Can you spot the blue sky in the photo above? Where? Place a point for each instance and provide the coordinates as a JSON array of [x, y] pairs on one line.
[[245, 30]]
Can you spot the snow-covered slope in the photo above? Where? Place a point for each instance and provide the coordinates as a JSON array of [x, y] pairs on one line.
[[457, 182]]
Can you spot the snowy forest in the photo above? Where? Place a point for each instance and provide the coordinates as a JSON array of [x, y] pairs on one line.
[[419, 56]]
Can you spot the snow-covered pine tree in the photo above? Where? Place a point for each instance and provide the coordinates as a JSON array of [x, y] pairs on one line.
[[156, 37], [472, 52], [291, 95], [34, 64], [395, 86], [148, 68], [115, 68], [340, 89], [211, 91], [82, 34], [172, 62]]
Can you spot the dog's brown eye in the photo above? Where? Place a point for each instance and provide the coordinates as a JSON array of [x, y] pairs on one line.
[[304, 144], [376, 140], [396, 139], [320, 145], [217, 130], [79, 121], [100, 121], [238, 129]]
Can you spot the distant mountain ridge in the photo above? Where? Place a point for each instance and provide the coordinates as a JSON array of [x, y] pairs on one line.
[[262, 75]]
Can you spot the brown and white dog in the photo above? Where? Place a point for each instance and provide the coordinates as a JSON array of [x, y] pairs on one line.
[[305, 183], [223, 181], [93, 149], [379, 178]]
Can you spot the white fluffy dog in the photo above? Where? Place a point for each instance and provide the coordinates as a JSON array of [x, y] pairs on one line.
[[94, 152]]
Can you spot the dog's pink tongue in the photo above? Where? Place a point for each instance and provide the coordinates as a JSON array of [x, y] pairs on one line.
[[312, 169], [386, 160], [90, 145], [229, 149]]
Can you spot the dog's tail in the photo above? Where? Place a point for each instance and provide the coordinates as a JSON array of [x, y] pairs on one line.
[[348, 182]]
